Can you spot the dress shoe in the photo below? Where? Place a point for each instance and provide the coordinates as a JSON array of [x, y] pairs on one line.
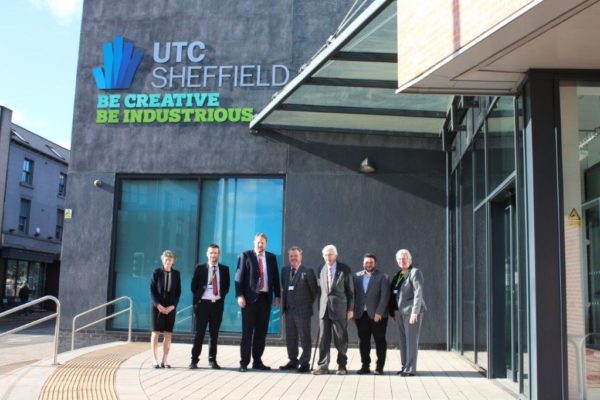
[[214, 365], [288, 366], [243, 368], [407, 374], [341, 371], [320, 371], [261, 367], [193, 366], [364, 370], [303, 368], [378, 371]]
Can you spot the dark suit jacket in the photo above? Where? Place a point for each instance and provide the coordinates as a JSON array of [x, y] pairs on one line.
[[340, 299], [200, 281], [300, 300], [157, 288], [377, 297], [246, 276]]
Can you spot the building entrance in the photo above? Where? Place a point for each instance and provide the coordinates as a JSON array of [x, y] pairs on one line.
[[505, 282]]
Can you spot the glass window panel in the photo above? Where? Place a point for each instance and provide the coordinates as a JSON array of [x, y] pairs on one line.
[[233, 211], [521, 254], [35, 279], [24, 215], [467, 262], [10, 281], [479, 154], [367, 97], [481, 295], [379, 36], [154, 216], [62, 184], [27, 173], [500, 143], [358, 70], [22, 267], [580, 154], [407, 125]]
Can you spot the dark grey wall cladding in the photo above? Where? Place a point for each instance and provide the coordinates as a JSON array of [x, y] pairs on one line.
[[86, 244], [402, 205], [327, 200]]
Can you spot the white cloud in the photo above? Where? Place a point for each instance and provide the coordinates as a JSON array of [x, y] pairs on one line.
[[18, 117], [65, 11], [66, 143]]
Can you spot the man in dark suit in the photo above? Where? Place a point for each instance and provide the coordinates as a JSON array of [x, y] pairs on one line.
[[210, 285], [371, 297], [299, 285], [335, 310], [256, 283]]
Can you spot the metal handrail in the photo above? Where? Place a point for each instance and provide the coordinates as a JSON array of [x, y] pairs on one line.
[[130, 309], [583, 377], [177, 320], [39, 321]]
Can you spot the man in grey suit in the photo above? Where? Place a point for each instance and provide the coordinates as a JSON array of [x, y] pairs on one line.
[[371, 297], [298, 293], [335, 310]]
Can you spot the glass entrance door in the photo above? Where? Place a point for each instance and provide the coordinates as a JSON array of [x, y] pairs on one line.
[[511, 307]]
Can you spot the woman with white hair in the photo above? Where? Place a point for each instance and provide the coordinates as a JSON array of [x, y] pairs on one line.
[[165, 290], [407, 306]]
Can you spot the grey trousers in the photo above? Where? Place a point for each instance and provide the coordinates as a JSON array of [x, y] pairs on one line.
[[340, 339], [297, 327], [408, 341]]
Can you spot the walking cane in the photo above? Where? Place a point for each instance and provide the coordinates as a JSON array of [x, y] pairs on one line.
[[312, 363]]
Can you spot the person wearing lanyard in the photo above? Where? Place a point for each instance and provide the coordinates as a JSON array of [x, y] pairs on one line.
[[165, 290], [407, 299], [210, 285], [256, 285], [299, 291]]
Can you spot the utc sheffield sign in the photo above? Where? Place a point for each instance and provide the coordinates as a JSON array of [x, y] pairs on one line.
[[121, 61]]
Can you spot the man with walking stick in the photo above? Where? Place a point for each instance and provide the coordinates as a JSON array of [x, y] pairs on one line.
[[336, 306]]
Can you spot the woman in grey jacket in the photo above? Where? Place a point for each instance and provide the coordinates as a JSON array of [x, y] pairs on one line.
[[407, 306]]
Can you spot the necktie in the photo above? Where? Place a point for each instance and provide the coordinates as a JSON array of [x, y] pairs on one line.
[[261, 273], [215, 284], [293, 272], [330, 278]]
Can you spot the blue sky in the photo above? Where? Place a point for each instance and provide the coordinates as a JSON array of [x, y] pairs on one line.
[[39, 43]]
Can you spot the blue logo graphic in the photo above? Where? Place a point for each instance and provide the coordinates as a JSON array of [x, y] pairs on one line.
[[121, 61]]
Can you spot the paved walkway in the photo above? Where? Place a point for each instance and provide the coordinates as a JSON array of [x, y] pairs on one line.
[[124, 371]]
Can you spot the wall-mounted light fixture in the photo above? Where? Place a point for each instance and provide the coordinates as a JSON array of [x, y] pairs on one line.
[[366, 166], [98, 183]]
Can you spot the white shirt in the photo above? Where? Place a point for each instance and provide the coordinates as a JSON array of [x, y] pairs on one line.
[[208, 293]]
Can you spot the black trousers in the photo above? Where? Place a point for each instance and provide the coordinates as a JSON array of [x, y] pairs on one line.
[[211, 314], [255, 322], [367, 327]]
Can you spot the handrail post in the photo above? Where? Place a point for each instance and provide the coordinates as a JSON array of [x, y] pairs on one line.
[[38, 321], [583, 377], [130, 309], [56, 333], [130, 319]]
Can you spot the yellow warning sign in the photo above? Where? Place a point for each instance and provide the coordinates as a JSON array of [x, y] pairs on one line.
[[574, 219]]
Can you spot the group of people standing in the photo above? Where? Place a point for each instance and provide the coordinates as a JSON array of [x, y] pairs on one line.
[[368, 297]]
